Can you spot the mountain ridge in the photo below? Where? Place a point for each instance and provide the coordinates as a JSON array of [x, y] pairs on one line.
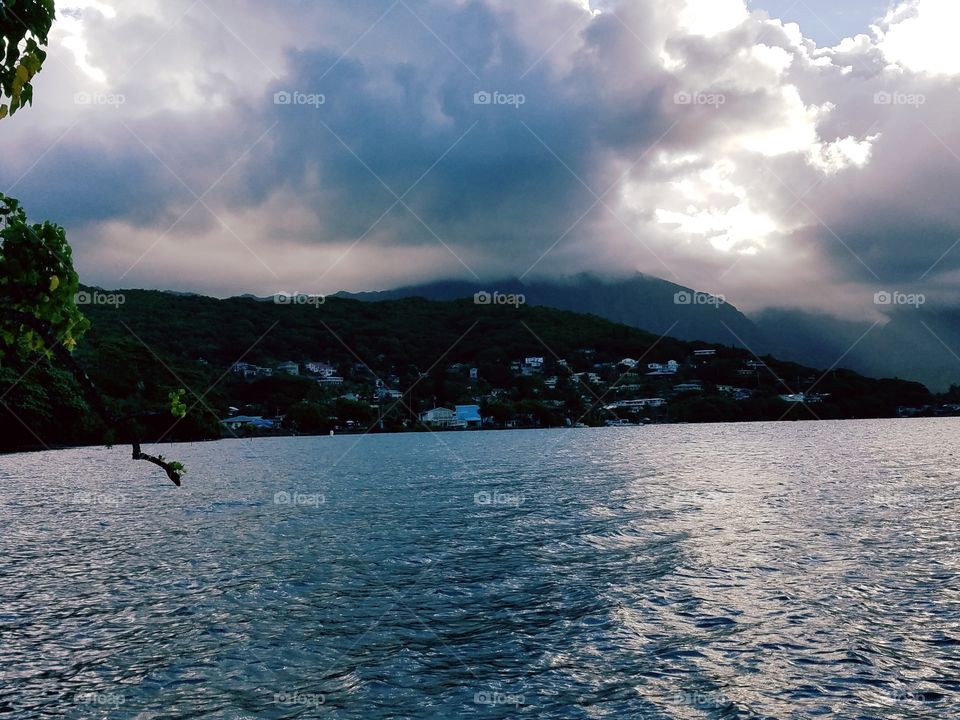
[[915, 344]]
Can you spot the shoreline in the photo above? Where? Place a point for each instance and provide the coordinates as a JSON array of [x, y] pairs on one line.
[[52, 448]]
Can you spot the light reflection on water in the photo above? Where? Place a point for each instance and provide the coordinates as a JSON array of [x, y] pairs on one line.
[[784, 570]]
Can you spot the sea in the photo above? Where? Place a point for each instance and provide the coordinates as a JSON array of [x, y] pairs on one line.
[[759, 570]]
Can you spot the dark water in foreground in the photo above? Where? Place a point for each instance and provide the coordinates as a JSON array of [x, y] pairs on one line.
[[791, 570]]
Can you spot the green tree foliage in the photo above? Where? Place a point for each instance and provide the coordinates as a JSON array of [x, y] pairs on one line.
[[37, 280], [38, 284], [24, 27]]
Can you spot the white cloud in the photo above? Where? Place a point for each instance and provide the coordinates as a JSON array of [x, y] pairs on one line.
[[921, 35], [722, 183], [710, 17], [71, 29]]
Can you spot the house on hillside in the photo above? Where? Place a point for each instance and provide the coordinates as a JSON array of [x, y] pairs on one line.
[[320, 368], [805, 398], [290, 368], [248, 370], [468, 416], [235, 423], [440, 417], [637, 404], [668, 368], [736, 393]]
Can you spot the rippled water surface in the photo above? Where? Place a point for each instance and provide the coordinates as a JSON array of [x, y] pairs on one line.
[[791, 570]]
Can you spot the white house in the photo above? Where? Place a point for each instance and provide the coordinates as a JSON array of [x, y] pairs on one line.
[[248, 370], [669, 368], [290, 368], [803, 398], [320, 368], [438, 417], [637, 404]]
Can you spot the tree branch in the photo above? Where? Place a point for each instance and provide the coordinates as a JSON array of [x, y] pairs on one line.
[[90, 391]]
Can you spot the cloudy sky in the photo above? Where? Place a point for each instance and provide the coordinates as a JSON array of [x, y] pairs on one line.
[[802, 154]]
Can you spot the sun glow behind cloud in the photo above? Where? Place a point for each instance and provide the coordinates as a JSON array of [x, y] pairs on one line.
[[717, 209], [922, 36], [70, 25], [798, 121], [710, 17]]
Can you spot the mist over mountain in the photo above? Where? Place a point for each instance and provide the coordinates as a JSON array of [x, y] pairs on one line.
[[914, 344], [642, 301]]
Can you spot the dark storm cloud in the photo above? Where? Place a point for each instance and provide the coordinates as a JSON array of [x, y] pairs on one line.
[[504, 177], [799, 165]]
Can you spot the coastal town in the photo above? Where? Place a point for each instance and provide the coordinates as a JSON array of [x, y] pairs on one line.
[[533, 391]]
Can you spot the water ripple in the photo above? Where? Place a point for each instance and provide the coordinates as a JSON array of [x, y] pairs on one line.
[[788, 570]]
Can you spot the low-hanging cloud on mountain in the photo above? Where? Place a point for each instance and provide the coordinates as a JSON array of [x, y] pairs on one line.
[[226, 147]]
